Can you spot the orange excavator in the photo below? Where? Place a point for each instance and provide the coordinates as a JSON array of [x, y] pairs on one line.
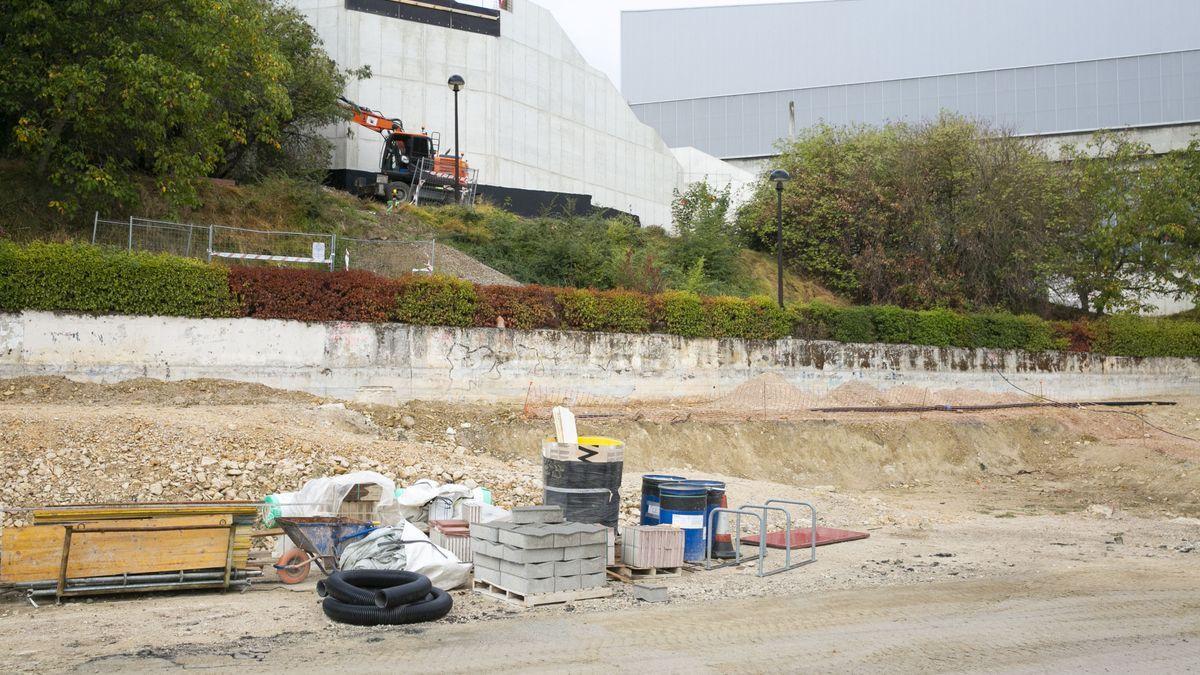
[[411, 170]]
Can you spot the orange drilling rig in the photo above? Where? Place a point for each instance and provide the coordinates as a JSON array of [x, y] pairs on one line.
[[411, 170]]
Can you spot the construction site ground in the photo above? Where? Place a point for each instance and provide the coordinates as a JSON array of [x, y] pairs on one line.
[[1018, 540]]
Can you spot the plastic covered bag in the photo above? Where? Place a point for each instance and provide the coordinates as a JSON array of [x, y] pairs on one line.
[[427, 500], [404, 547], [323, 497]]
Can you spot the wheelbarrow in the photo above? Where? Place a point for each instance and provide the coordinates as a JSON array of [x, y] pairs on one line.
[[318, 539]]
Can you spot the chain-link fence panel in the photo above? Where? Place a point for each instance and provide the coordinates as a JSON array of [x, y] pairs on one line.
[[155, 236], [243, 245]]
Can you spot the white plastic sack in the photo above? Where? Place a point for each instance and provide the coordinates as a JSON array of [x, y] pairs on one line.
[[427, 500], [404, 547]]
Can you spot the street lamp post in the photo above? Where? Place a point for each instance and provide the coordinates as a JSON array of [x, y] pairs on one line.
[[780, 177], [456, 84]]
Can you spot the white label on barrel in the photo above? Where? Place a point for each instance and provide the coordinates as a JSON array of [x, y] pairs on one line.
[[652, 509], [688, 522]]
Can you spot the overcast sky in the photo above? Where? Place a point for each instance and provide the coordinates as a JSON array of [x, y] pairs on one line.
[[595, 25]]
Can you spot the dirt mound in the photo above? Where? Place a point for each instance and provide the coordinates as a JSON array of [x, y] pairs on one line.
[[145, 390]]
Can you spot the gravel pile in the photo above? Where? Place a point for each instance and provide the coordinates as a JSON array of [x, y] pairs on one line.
[[52, 452]]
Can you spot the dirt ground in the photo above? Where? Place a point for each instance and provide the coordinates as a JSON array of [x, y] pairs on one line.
[[1006, 541]]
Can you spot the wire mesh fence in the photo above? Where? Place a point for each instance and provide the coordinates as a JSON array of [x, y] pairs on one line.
[[155, 236], [239, 245]]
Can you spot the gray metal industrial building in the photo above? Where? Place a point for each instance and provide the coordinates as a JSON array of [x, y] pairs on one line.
[[733, 80]]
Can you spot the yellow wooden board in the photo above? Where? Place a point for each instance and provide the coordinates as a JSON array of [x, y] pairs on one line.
[[71, 513], [34, 553]]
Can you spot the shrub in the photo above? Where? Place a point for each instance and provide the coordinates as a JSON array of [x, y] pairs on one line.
[[436, 301], [941, 328], [312, 295], [813, 320], [683, 314], [894, 325], [1134, 336], [83, 278], [756, 318], [1075, 336], [853, 324], [615, 311], [1040, 335], [523, 307]]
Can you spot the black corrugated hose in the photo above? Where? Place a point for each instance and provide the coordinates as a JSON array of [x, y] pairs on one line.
[[382, 597]]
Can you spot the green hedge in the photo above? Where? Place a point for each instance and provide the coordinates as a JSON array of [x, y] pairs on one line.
[[690, 315], [436, 301], [1135, 336], [81, 278], [609, 311]]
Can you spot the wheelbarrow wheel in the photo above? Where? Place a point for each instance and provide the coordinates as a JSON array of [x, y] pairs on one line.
[[293, 566]]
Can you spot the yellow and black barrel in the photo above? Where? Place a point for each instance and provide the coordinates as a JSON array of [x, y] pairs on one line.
[[584, 478]]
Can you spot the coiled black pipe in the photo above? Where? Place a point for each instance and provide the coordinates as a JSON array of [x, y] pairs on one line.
[[435, 605], [358, 587], [403, 594]]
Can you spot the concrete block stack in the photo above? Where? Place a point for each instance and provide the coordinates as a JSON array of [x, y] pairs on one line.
[[536, 553], [657, 546]]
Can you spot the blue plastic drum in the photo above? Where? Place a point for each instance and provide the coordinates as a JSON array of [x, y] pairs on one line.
[[650, 484], [715, 498], [683, 506]]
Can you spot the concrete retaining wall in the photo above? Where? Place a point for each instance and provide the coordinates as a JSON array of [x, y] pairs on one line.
[[388, 363]]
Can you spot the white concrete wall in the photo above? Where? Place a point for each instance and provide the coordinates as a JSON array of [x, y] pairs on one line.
[[533, 115], [390, 363], [699, 166]]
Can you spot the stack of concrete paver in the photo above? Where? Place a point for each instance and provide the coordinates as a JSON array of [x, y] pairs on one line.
[[657, 546], [536, 553]]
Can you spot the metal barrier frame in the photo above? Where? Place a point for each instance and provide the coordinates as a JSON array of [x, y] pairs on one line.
[[787, 533], [812, 545], [737, 535], [754, 510]]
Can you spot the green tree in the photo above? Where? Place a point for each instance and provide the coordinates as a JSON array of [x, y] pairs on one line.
[[1131, 227], [704, 254], [946, 213], [96, 92]]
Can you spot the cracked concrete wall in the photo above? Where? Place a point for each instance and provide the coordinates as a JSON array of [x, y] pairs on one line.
[[390, 363]]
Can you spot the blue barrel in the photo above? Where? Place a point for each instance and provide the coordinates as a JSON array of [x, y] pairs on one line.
[[683, 506], [650, 484], [714, 493]]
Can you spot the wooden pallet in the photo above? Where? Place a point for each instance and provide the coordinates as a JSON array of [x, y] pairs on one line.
[[630, 574], [537, 599]]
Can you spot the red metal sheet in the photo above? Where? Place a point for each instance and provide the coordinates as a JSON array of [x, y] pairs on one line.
[[800, 537]]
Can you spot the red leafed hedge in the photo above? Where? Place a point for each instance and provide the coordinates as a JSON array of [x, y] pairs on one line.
[[523, 307], [311, 295]]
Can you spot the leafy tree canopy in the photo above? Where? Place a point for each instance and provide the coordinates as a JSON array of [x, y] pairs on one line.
[[97, 91]]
